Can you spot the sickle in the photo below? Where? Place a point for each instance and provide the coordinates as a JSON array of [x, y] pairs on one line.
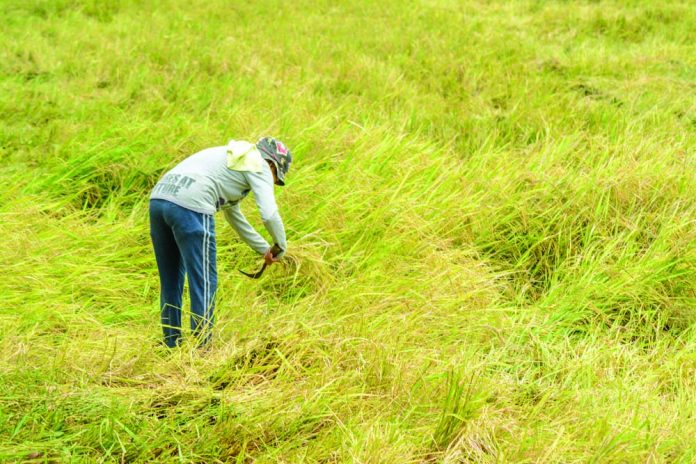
[[256, 274], [274, 251]]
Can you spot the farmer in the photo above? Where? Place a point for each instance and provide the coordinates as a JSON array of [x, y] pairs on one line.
[[182, 205]]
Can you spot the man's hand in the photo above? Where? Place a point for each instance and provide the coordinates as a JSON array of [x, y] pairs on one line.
[[269, 258]]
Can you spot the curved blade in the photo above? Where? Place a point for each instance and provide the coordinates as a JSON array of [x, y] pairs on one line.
[[256, 274], [275, 250]]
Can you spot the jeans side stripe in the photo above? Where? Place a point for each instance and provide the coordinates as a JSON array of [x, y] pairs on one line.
[[206, 236]]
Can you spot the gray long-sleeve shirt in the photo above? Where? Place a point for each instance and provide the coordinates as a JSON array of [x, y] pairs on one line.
[[203, 183]]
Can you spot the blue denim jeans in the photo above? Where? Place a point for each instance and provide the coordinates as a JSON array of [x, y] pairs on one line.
[[184, 244]]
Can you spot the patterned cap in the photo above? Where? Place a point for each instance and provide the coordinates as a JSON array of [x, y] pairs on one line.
[[275, 151]]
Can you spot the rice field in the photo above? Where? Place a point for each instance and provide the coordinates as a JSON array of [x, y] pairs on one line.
[[491, 220]]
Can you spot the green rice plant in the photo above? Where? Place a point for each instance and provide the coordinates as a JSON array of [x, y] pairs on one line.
[[459, 406]]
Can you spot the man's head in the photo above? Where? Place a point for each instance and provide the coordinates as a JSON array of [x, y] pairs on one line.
[[278, 156]]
